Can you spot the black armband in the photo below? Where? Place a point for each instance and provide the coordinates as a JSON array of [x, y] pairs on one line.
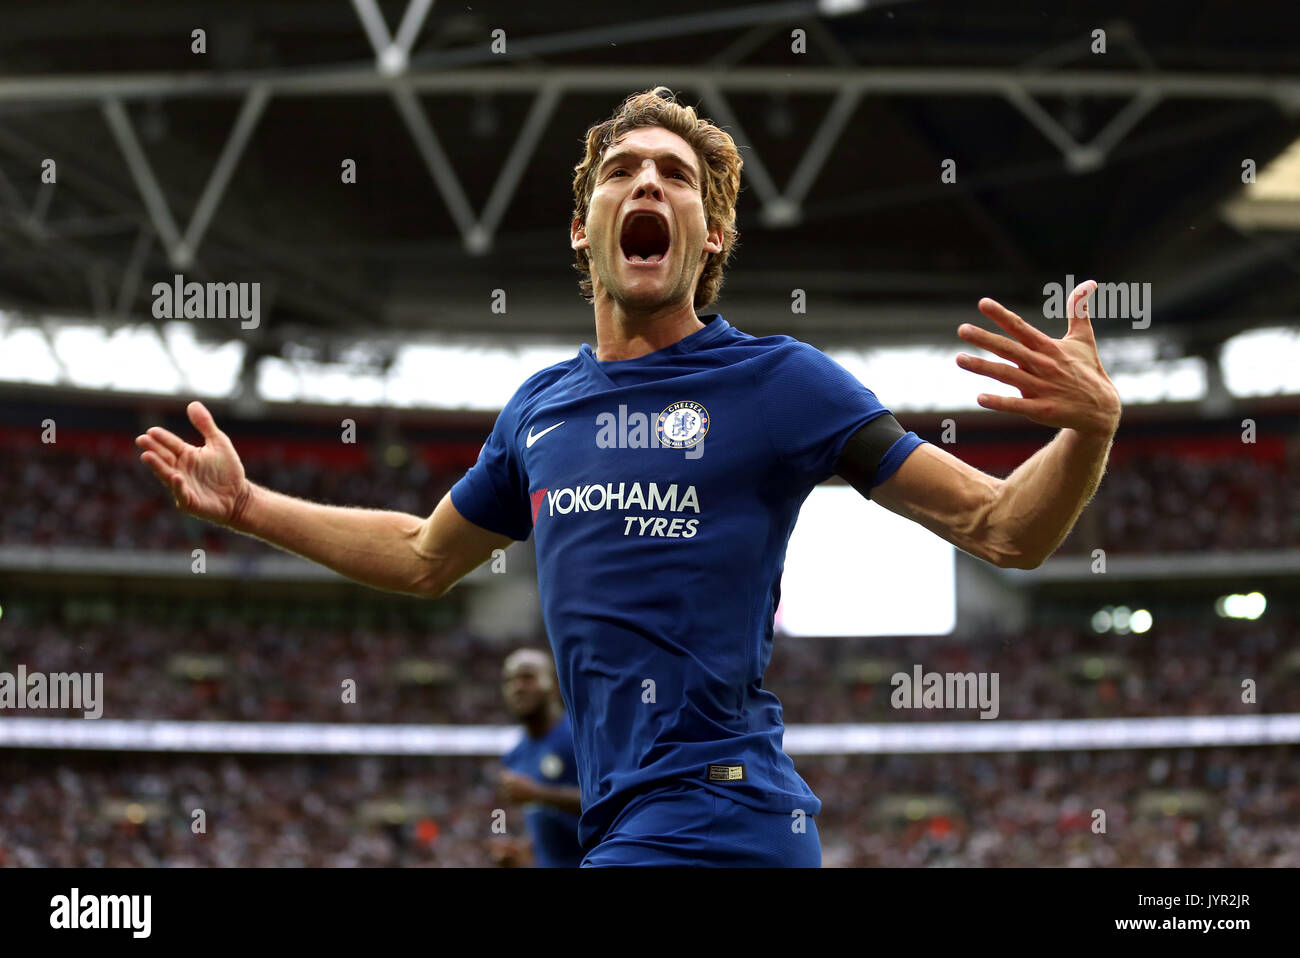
[[860, 460]]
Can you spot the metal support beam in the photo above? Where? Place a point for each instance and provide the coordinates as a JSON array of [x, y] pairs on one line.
[[727, 21], [392, 55], [1123, 122], [784, 209], [476, 233], [372, 21], [99, 294], [779, 209], [10, 198], [317, 287], [819, 148], [775, 210], [145, 181], [41, 264], [245, 123], [1119, 34], [828, 44], [182, 249], [892, 81], [1202, 279], [742, 46], [435, 159], [503, 191], [41, 207], [1079, 157], [133, 272], [412, 21], [93, 226]]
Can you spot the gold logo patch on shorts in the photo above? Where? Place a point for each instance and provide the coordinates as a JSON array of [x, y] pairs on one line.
[[726, 773]]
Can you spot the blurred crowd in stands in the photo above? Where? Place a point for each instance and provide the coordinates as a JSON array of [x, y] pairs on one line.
[[227, 661], [154, 669], [110, 500], [1165, 503], [1190, 807]]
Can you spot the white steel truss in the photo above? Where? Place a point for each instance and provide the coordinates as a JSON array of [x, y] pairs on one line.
[[845, 87]]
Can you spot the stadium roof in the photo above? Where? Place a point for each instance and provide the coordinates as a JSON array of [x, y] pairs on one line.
[[225, 165]]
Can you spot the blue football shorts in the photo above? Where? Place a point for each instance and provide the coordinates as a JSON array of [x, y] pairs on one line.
[[690, 826]]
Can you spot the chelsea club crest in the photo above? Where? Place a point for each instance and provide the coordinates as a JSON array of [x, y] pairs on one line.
[[682, 425]]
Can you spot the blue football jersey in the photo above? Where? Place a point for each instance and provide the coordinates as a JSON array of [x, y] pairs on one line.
[[549, 760], [662, 491]]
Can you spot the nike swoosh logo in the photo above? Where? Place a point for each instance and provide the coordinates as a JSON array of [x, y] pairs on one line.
[[532, 439]]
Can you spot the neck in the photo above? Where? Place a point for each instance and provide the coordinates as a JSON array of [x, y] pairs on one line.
[[540, 722], [623, 334]]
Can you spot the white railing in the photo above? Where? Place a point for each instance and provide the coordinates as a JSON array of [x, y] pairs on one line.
[[492, 740]]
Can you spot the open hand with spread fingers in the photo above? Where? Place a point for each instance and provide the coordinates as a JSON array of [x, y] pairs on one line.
[[207, 481], [1061, 381]]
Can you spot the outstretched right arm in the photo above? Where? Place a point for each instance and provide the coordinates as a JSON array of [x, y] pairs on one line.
[[385, 550]]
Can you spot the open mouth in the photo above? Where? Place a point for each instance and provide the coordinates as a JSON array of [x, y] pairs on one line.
[[645, 238]]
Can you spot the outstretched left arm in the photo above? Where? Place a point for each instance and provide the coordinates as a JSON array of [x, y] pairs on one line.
[[1019, 521]]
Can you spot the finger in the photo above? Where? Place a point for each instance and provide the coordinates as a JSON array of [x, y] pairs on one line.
[[1022, 407], [159, 468], [1008, 349], [178, 491], [170, 478], [203, 420], [168, 440], [150, 444], [1080, 316], [1011, 375], [1029, 335]]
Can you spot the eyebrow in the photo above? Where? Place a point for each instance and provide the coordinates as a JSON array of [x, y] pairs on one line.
[[623, 156]]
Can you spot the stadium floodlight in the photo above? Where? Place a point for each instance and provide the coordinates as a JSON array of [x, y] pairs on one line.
[[1249, 606]]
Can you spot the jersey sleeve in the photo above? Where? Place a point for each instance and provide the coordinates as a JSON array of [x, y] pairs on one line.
[[493, 494], [812, 405], [514, 758]]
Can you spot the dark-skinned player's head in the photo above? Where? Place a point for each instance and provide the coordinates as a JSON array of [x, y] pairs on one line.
[[632, 162], [528, 682]]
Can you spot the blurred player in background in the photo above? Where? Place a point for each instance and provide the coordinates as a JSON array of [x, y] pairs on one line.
[[541, 772]]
